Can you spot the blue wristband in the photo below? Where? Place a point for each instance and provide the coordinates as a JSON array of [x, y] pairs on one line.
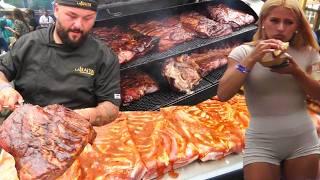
[[242, 69]]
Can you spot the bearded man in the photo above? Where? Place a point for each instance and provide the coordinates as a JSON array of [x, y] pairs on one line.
[[64, 64]]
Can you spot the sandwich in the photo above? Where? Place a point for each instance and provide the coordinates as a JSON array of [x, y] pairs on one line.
[[277, 58]]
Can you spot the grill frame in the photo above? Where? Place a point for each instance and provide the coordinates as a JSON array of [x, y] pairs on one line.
[[146, 8]]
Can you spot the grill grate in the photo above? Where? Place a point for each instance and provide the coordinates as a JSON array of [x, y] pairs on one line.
[[136, 9], [186, 47], [165, 97], [123, 15], [215, 75]]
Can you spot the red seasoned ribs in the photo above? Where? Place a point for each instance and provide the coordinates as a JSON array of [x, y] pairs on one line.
[[128, 45], [203, 26], [169, 30], [161, 148], [135, 84], [44, 141], [235, 18], [112, 156], [210, 60]]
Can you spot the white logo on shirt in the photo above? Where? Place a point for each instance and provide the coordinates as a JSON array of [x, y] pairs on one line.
[[117, 96]]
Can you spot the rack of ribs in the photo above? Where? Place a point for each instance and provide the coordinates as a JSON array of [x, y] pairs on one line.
[[204, 26], [225, 14], [44, 141]]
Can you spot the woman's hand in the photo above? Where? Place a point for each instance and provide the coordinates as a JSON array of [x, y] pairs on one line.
[[263, 47], [292, 68]]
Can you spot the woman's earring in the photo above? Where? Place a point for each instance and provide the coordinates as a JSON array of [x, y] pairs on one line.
[[262, 27], [297, 32]]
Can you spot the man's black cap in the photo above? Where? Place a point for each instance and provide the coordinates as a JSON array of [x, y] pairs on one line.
[[84, 4]]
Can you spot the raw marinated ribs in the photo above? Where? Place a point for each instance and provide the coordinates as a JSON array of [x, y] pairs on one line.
[[128, 45], [235, 18], [203, 26], [238, 103], [232, 123], [113, 155], [169, 30], [313, 105], [135, 84], [161, 148], [145, 145], [316, 120], [44, 141], [213, 135]]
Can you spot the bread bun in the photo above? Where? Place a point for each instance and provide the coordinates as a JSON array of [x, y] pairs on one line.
[[276, 57]]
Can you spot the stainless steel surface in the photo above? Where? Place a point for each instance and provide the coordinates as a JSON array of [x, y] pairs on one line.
[[210, 169]]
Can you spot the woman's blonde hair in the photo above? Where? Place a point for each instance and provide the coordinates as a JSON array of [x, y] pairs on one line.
[[303, 37]]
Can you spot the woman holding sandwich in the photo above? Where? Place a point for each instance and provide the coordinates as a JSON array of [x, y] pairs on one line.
[[280, 130]]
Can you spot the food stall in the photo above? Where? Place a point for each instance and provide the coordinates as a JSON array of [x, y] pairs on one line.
[[154, 45]]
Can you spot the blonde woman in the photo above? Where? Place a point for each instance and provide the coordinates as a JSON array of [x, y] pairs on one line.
[[280, 129]]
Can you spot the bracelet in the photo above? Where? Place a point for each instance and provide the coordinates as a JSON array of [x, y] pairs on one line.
[[4, 86], [242, 69]]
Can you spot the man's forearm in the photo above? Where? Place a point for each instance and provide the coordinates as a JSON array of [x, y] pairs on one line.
[[106, 113], [103, 114]]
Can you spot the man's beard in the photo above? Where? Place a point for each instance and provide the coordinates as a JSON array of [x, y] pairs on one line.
[[63, 34]]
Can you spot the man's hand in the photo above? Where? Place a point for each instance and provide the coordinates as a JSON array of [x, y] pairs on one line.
[[9, 97]]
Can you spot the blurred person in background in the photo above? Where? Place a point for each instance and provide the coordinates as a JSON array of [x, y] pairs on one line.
[[64, 64], [20, 24], [45, 20], [3, 43], [280, 129], [31, 19], [7, 34]]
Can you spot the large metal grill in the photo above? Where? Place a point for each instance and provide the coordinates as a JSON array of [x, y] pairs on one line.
[[110, 15]]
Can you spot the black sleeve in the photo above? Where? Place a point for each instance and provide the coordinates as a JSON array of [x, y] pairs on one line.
[[11, 62], [107, 85]]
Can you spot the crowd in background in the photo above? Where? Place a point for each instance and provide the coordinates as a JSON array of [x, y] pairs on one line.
[[17, 23]]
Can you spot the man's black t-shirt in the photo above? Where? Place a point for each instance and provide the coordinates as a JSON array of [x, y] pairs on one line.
[[47, 73]]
